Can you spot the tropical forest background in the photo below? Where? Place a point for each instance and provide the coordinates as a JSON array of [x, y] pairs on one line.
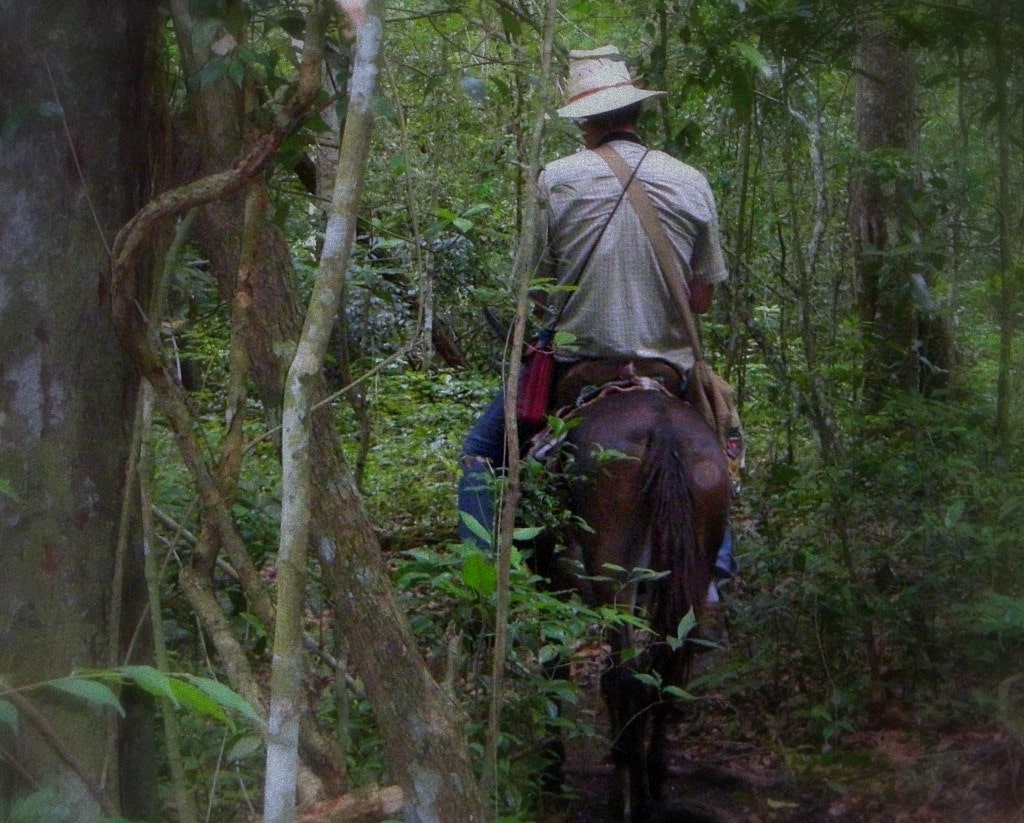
[[868, 162]]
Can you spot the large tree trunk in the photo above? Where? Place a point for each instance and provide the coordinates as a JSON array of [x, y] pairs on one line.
[[878, 215], [1008, 212], [73, 167]]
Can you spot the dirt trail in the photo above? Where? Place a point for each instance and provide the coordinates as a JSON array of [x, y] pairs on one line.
[[902, 774]]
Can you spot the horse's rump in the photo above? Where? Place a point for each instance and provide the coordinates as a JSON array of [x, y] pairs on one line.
[[651, 483]]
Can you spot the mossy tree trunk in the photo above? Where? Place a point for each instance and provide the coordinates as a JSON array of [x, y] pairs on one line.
[[879, 214], [76, 127]]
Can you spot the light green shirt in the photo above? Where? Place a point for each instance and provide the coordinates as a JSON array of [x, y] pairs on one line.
[[621, 306]]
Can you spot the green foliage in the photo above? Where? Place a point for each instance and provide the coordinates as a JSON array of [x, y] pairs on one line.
[[419, 420], [546, 630], [41, 806], [97, 688], [7, 489], [872, 576], [199, 698]]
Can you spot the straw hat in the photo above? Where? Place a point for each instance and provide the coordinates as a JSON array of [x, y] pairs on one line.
[[598, 82]]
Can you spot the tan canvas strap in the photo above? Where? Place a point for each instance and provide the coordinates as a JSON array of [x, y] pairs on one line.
[[671, 271]]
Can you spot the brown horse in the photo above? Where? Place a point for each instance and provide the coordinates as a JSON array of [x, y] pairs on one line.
[[650, 481]]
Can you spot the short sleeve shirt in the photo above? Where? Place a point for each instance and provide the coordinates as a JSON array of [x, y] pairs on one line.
[[621, 306]]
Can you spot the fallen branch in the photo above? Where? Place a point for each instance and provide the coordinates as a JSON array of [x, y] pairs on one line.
[[363, 806]]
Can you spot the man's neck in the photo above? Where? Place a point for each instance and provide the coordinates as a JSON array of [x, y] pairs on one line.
[[629, 136], [594, 137]]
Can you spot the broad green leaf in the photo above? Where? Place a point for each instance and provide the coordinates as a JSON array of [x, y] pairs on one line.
[[477, 528], [526, 533], [675, 691], [149, 679], [646, 575], [226, 698], [954, 513], [480, 574], [89, 691], [648, 679], [245, 747], [191, 697], [547, 653], [753, 57], [686, 625], [236, 71]]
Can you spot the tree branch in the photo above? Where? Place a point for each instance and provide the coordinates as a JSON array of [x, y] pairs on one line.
[[61, 749]]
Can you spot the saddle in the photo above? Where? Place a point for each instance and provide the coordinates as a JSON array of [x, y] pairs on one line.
[[583, 377], [581, 381]]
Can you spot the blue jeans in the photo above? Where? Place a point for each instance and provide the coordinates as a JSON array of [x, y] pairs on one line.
[[483, 457]]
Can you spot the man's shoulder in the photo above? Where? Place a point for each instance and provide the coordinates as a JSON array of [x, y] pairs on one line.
[[669, 165], [567, 174], [572, 164]]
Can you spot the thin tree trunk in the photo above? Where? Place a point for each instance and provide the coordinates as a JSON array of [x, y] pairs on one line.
[[527, 258], [422, 728], [287, 669], [1004, 210]]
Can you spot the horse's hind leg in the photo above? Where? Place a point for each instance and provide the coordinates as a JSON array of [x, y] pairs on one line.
[[673, 670], [657, 762], [628, 709]]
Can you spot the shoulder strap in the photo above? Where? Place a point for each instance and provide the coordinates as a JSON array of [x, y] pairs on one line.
[[671, 271], [630, 174]]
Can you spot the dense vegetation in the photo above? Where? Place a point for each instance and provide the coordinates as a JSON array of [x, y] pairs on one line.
[[878, 574], [879, 524]]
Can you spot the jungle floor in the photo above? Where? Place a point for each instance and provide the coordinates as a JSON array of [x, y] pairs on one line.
[[897, 773]]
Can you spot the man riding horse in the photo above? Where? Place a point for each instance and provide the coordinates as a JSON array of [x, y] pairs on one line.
[[613, 301]]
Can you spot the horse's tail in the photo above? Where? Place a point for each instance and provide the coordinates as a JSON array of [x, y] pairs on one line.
[[673, 535]]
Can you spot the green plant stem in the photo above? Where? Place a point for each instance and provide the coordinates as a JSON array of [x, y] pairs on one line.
[[523, 270], [187, 811]]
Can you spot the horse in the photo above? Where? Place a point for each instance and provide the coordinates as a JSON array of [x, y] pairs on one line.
[[649, 481]]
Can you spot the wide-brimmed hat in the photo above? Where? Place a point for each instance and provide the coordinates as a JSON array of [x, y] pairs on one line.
[[599, 81]]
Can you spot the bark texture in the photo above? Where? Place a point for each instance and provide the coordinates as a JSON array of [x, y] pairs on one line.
[[886, 133], [77, 127]]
